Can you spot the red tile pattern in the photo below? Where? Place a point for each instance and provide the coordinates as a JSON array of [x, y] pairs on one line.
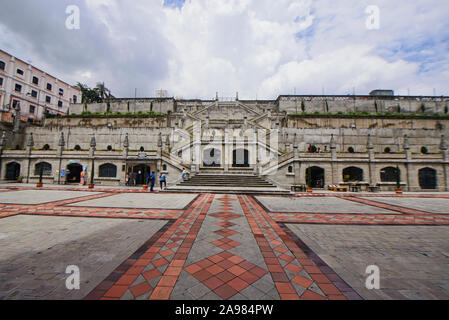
[[147, 268], [276, 245], [225, 273]]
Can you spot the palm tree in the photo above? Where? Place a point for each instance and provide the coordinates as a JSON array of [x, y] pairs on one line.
[[103, 92]]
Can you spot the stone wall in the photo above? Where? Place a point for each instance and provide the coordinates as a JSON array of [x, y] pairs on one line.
[[292, 104]]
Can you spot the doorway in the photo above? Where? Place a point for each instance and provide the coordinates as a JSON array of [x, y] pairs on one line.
[[428, 178], [138, 173], [240, 158], [315, 177], [74, 173], [12, 171]]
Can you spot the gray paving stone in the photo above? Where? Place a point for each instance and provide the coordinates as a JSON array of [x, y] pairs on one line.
[[323, 205]]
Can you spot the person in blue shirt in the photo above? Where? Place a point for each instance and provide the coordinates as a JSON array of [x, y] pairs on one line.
[[163, 180], [152, 179], [148, 178]]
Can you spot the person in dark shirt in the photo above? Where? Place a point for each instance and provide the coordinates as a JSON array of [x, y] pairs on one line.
[[152, 179]]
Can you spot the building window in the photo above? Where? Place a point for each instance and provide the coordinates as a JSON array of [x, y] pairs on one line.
[[34, 93], [1, 81], [20, 71], [49, 87], [32, 109], [45, 167], [75, 98], [15, 104], [61, 92], [389, 174], [35, 80], [352, 174], [18, 88], [2, 65], [290, 169], [48, 99], [108, 170], [60, 104]]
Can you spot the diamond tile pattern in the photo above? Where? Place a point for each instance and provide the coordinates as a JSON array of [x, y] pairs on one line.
[[225, 273]]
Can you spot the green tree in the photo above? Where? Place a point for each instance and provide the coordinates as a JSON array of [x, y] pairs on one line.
[[88, 95]]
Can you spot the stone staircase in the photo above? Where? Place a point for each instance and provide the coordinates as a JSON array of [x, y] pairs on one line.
[[228, 183], [231, 180]]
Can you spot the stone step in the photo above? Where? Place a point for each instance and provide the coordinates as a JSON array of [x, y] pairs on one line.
[[227, 181]]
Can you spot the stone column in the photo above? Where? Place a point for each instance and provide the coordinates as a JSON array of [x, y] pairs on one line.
[[444, 153], [61, 145], [370, 149], [296, 161], [334, 165], [408, 155], [159, 153], [2, 146], [93, 145], [29, 149], [125, 156]]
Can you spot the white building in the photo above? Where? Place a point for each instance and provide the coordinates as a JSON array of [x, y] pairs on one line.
[[35, 91]]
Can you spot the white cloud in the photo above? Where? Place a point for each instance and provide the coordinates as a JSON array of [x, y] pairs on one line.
[[256, 47]]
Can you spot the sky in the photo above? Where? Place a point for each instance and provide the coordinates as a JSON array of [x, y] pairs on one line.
[[259, 48]]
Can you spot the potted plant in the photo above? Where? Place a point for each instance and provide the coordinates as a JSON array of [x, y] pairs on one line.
[[91, 184], [41, 172], [398, 181]]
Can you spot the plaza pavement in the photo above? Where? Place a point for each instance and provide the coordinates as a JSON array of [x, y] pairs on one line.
[[130, 244]]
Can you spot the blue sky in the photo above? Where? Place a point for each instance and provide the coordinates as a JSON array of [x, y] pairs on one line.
[[259, 48]]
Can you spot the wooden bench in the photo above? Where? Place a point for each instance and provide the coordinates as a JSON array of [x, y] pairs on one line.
[[338, 189]]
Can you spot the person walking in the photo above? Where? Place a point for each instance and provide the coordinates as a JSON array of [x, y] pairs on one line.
[[163, 180], [184, 174], [134, 178], [127, 179], [152, 180], [148, 178]]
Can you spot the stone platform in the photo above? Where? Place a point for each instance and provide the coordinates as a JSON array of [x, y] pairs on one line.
[[133, 245]]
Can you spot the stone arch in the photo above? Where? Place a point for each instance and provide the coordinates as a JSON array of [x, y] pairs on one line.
[[12, 171], [211, 157], [389, 174], [315, 177], [45, 167], [108, 170], [240, 158], [351, 174], [427, 178], [74, 172]]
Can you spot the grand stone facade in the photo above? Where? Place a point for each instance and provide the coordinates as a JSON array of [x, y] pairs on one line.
[[270, 138]]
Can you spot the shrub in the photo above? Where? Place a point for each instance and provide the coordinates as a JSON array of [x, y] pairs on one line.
[[78, 147], [142, 149], [424, 150], [387, 150], [313, 149], [351, 150], [109, 148], [46, 147]]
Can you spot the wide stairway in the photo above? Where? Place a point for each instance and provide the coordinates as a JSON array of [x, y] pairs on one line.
[[228, 183]]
